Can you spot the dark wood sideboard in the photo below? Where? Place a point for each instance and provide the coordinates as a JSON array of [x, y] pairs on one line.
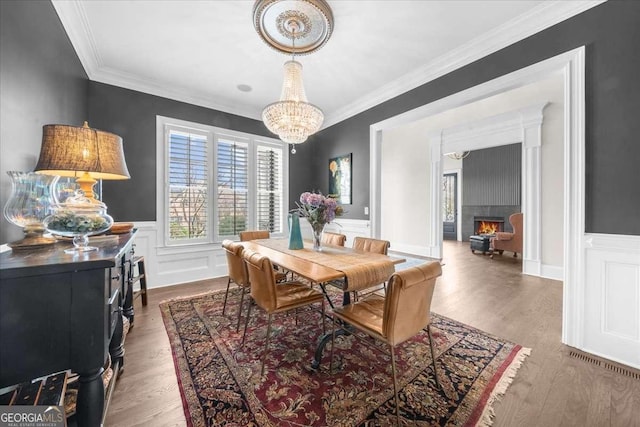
[[60, 311]]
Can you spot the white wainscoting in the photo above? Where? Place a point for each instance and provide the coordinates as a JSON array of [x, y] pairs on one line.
[[349, 227], [611, 317], [173, 265], [423, 251]]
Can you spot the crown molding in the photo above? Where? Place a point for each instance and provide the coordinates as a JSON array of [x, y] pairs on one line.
[[130, 81], [75, 22], [537, 19]]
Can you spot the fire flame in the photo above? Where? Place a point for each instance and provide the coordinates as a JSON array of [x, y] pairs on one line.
[[487, 227]]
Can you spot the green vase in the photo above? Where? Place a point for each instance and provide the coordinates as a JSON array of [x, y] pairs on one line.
[[295, 236]]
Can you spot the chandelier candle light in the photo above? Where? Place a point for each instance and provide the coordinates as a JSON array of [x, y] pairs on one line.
[[310, 23]]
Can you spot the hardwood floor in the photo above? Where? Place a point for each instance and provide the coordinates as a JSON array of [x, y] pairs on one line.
[[552, 388]]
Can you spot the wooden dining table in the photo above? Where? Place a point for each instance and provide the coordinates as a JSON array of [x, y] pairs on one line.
[[347, 268]]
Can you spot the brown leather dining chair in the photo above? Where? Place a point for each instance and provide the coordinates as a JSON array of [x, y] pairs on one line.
[[245, 236], [376, 246], [368, 244], [237, 274], [254, 235], [274, 298], [334, 239], [401, 314]]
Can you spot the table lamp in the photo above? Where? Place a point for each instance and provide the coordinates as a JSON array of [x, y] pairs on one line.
[[86, 154], [81, 152]]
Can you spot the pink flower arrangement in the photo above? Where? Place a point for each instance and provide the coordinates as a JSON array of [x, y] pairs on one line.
[[319, 210]]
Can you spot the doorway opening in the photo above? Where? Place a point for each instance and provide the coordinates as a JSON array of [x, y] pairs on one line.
[[571, 66], [450, 208]]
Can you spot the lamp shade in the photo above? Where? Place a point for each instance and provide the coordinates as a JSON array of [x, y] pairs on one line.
[[73, 151]]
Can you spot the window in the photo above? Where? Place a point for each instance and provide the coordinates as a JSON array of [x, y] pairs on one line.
[[188, 186], [269, 188], [233, 187], [218, 182]]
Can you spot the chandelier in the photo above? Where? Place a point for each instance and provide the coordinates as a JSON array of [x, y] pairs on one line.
[[295, 27], [458, 155]]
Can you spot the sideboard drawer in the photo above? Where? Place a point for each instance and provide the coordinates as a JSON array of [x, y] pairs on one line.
[[114, 310]]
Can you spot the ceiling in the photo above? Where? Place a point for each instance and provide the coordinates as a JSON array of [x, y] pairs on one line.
[[201, 51]]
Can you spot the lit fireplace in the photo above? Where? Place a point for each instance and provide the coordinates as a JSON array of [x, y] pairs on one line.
[[488, 225]]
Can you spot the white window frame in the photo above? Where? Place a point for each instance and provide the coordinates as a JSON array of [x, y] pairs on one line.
[[163, 126], [167, 128]]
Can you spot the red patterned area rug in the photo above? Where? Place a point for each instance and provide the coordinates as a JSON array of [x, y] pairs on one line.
[[220, 380]]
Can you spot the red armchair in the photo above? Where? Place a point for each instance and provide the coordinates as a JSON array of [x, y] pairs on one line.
[[511, 242]]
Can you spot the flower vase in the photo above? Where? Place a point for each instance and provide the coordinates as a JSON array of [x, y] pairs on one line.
[[317, 236]]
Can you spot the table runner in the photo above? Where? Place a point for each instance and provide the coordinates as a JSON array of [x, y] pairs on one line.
[[361, 269]]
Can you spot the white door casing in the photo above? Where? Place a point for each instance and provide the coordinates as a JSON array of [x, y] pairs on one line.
[[572, 66]]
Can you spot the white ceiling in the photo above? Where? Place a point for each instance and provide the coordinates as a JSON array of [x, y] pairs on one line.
[[200, 51]]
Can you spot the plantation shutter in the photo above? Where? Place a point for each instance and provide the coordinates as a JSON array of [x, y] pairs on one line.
[[269, 188], [233, 187], [188, 186]]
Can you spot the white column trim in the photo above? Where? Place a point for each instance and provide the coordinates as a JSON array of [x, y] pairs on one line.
[[434, 246], [375, 178], [574, 200]]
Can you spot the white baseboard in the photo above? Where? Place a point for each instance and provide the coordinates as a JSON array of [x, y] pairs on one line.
[[538, 269], [424, 251], [553, 272]]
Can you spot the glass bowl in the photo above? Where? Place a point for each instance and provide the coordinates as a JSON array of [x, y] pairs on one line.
[[78, 217]]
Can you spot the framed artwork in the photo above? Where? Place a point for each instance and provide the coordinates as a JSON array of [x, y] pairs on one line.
[[340, 179]]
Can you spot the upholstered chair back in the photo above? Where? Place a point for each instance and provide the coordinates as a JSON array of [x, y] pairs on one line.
[[516, 222], [262, 278], [254, 235], [367, 244], [237, 268], [334, 239], [408, 301]]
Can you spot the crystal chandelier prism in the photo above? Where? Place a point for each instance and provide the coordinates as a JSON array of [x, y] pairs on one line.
[[295, 27]]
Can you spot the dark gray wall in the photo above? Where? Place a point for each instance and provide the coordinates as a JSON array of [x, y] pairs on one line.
[[132, 115], [492, 186], [492, 177], [41, 82], [312, 173], [611, 34]]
